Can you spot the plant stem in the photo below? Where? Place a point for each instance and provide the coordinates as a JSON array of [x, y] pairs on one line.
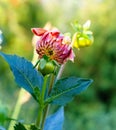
[[51, 83], [42, 117], [45, 115], [47, 107], [61, 71], [44, 88], [39, 117], [16, 109], [41, 108]]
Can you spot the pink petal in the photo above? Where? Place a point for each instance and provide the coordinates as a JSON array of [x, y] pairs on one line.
[[71, 56], [38, 31], [55, 33]]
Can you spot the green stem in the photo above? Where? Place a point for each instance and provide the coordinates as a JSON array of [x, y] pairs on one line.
[[44, 88], [45, 115], [39, 117], [47, 107], [41, 108], [17, 109], [44, 111], [51, 83], [61, 71]]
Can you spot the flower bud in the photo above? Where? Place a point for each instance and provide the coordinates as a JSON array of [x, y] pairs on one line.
[[48, 68], [83, 37], [82, 41], [54, 45]]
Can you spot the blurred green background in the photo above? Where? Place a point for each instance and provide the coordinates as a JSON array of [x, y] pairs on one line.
[[94, 109]]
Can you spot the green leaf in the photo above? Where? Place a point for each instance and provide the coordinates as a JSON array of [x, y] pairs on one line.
[[65, 89], [55, 121], [2, 128], [37, 94], [3, 113], [19, 126], [33, 127], [25, 75]]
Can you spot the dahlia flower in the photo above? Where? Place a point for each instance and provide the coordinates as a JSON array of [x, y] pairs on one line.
[[54, 45]]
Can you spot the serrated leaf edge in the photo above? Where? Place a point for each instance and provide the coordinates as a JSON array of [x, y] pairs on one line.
[[50, 99]]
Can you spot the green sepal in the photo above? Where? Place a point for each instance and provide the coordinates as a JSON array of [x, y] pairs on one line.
[[42, 63]]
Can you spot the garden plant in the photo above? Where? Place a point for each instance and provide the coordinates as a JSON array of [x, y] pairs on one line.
[[42, 78]]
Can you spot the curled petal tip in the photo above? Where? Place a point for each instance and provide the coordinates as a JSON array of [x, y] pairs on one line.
[[38, 31]]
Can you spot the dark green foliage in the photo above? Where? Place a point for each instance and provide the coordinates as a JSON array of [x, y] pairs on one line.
[[19, 126], [2, 128], [65, 89], [33, 127], [3, 113], [55, 121], [25, 75]]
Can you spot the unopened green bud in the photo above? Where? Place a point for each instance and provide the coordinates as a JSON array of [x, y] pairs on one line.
[[48, 68]]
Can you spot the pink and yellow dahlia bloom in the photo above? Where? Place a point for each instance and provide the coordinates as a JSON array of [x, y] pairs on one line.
[[54, 45]]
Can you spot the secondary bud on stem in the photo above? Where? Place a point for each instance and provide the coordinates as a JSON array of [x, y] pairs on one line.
[[83, 37], [47, 69], [80, 41]]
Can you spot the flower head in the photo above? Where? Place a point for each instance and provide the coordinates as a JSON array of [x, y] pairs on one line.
[[54, 45]]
